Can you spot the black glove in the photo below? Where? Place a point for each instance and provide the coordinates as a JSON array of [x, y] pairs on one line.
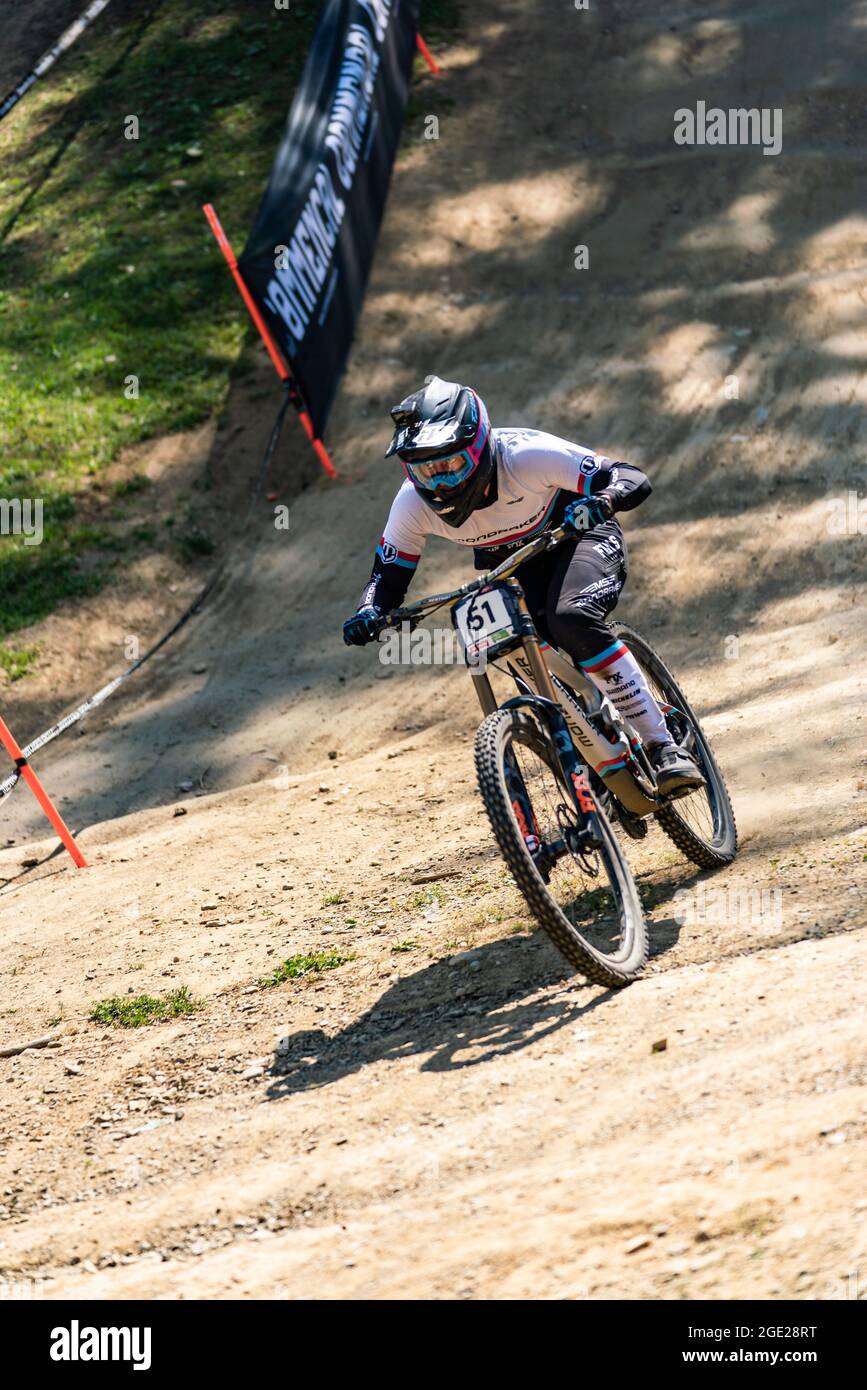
[[583, 516], [362, 627]]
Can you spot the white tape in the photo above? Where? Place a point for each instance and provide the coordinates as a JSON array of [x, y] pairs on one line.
[[48, 59]]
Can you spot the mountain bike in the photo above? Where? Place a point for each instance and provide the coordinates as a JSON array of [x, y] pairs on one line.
[[558, 768]]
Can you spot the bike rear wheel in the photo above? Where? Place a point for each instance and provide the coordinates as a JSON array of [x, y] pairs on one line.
[[702, 825], [587, 903]]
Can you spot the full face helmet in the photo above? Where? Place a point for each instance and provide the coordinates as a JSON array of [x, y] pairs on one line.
[[442, 435]]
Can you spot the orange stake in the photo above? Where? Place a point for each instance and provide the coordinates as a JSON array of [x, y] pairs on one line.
[[273, 350], [33, 782], [427, 55]]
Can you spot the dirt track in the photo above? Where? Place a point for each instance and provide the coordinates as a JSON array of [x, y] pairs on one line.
[[482, 1125]]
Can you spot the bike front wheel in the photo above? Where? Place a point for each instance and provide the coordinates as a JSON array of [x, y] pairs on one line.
[[587, 902]]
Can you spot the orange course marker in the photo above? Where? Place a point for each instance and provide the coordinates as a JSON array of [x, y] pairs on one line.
[[274, 352], [33, 782], [427, 55]]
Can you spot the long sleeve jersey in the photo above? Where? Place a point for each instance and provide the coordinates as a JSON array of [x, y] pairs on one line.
[[537, 476]]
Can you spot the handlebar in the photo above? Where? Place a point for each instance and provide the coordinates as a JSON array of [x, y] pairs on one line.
[[547, 541]]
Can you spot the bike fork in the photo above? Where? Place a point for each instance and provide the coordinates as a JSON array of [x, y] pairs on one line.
[[521, 805], [573, 768]]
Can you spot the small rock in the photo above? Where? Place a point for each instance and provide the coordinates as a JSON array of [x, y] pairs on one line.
[[186, 786], [637, 1243], [661, 1045], [465, 957], [180, 810]]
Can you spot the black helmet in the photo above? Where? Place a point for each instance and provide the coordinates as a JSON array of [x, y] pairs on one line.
[[442, 435]]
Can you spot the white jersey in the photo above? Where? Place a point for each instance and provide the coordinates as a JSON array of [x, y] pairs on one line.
[[533, 468]]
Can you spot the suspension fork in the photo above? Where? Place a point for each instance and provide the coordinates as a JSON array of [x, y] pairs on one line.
[[515, 787], [574, 772]]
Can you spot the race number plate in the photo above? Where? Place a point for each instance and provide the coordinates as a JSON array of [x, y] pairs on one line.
[[485, 623]]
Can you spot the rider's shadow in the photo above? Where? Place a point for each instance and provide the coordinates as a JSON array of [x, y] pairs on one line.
[[459, 1015]]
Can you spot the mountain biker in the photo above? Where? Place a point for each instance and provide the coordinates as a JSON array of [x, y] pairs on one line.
[[494, 489]]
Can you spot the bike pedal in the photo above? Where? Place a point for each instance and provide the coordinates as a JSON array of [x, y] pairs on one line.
[[678, 793]]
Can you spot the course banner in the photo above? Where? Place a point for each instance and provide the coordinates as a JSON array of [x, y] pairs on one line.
[[308, 256]]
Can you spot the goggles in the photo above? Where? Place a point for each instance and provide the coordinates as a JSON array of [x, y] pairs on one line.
[[446, 472]]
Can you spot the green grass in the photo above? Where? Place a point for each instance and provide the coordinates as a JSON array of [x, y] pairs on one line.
[[404, 946], [335, 898], [426, 897], [194, 545], [79, 205], [121, 1012], [17, 661], [108, 269], [296, 966]]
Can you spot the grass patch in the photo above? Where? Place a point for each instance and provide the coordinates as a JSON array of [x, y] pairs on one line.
[[426, 897], [128, 487], [109, 270], [404, 946], [335, 898], [296, 966], [17, 661], [119, 1012], [194, 545]]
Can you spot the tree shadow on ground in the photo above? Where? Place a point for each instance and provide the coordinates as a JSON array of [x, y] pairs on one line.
[[678, 268]]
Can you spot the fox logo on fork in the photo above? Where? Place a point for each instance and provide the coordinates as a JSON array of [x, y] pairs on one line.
[[582, 791]]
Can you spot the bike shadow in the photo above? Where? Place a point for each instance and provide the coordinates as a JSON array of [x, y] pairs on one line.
[[456, 1013]]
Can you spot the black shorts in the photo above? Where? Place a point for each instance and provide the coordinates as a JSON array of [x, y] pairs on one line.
[[571, 590]]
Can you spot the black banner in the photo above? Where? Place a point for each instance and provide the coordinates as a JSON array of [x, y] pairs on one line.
[[308, 256], [113, 1340]]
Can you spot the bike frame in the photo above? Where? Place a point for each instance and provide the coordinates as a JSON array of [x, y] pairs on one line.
[[586, 730], [601, 738]]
